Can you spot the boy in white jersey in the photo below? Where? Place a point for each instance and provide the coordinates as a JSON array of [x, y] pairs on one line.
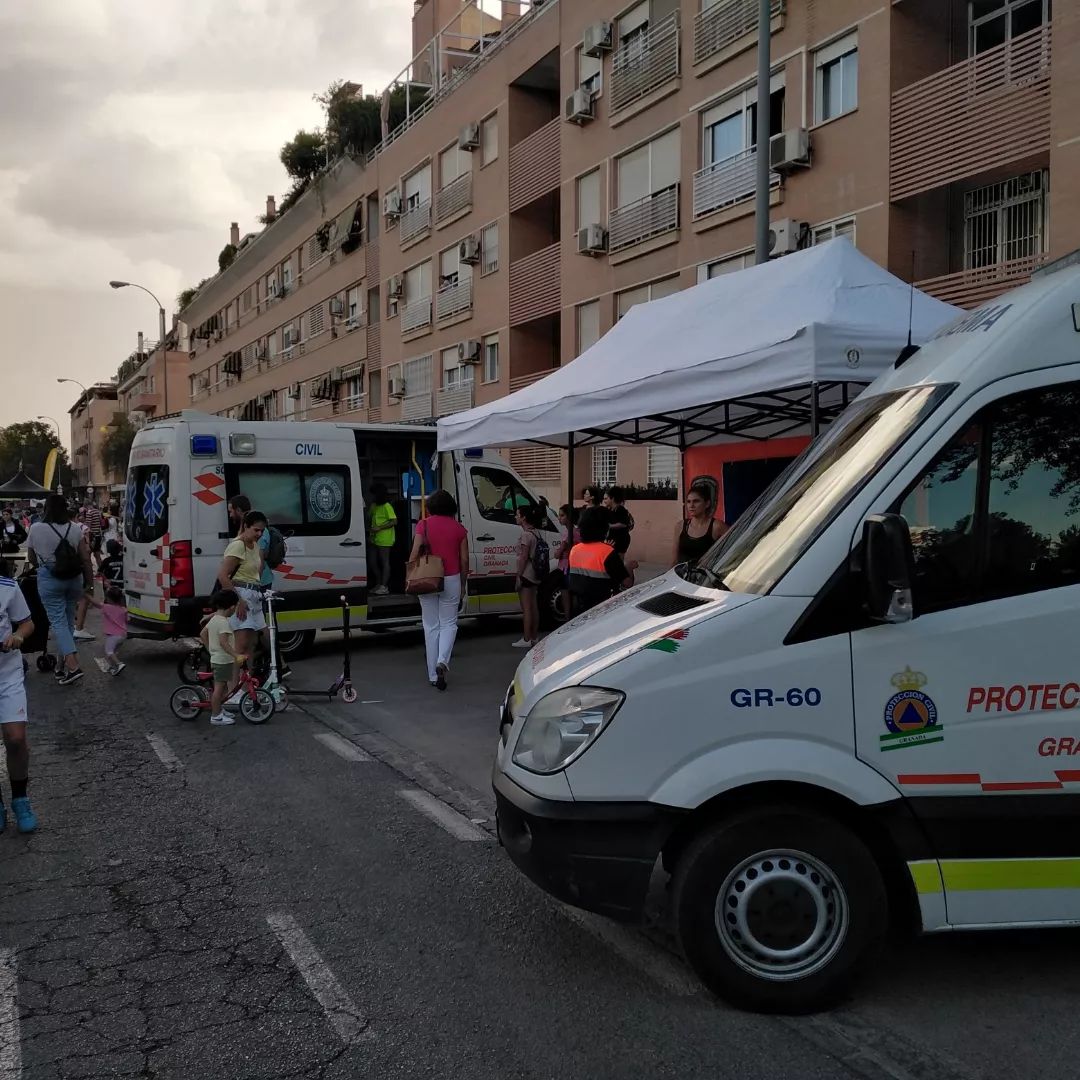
[[15, 628]]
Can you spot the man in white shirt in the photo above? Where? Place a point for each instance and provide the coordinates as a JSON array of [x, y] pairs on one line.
[[15, 628]]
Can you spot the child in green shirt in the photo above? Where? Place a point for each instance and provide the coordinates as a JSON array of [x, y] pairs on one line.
[[383, 535]]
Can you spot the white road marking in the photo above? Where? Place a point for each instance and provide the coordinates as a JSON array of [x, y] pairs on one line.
[[10, 1048], [164, 751], [457, 825], [343, 1015], [342, 747]]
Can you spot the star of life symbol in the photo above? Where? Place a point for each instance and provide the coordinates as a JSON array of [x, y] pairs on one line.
[[129, 510], [153, 500]]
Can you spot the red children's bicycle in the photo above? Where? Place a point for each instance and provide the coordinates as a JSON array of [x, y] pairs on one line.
[[256, 706]]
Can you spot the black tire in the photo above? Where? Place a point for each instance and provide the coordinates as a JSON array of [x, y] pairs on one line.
[[259, 709], [749, 868], [552, 615], [190, 664], [293, 644], [186, 700]]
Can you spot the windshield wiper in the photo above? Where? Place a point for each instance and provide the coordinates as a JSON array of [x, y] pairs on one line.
[[711, 578]]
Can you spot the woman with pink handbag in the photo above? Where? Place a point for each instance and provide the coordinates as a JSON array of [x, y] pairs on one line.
[[438, 572]]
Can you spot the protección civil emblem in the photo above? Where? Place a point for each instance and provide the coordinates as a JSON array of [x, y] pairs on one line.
[[910, 715]]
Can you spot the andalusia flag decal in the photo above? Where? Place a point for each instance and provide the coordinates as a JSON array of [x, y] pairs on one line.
[[670, 642]]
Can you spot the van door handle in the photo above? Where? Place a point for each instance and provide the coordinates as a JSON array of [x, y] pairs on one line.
[[487, 537], [351, 543], [143, 565]]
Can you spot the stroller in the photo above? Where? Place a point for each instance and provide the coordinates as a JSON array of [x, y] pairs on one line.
[[38, 641]]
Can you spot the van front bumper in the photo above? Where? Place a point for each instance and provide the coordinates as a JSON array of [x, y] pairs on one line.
[[596, 856]]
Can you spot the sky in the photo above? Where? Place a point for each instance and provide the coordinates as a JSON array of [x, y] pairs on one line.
[[132, 133]]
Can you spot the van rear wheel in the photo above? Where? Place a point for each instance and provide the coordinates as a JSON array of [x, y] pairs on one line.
[[778, 910], [293, 644]]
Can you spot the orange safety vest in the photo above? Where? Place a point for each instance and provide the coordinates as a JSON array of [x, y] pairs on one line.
[[588, 559]]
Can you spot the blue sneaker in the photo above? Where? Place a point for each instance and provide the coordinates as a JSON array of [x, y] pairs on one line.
[[25, 818]]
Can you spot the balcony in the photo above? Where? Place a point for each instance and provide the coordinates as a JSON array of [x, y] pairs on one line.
[[519, 382], [535, 289], [417, 407], [455, 399], [453, 199], [454, 299], [645, 63], [641, 220], [724, 183], [970, 288], [145, 402], [535, 165], [972, 117], [725, 22], [415, 222], [416, 316]]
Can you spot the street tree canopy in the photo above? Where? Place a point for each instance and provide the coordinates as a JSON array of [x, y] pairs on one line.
[[28, 443]]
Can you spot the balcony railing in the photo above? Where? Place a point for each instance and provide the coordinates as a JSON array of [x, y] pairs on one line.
[[417, 406], [455, 399], [726, 21], [972, 117], [638, 221], [724, 183], [535, 165], [415, 221], [645, 63], [970, 288], [416, 315], [454, 299], [535, 289], [455, 197], [519, 382]]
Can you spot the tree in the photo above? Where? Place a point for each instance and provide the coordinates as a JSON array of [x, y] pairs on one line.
[[28, 444], [116, 444], [304, 155], [187, 295], [226, 257]]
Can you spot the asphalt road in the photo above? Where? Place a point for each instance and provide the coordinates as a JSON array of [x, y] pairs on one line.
[[323, 897]]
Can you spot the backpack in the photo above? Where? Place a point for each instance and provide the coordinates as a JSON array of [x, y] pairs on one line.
[[275, 550], [541, 558], [66, 561]]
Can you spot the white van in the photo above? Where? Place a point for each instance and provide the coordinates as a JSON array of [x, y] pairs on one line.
[[311, 481], [861, 709]]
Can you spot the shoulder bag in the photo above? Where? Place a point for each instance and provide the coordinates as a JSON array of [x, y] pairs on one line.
[[426, 572]]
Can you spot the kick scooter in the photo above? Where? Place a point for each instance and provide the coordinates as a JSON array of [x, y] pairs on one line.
[[341, 685]]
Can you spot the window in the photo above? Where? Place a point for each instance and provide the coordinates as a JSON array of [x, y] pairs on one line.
[[417, 374], [648, 169], [393, 375], [453, 162], [836, 78], [289, 336], [375, 390], [590, 72], [489, 139], [588, 325], [498, 493], [301, 500], [832, 229], [454, 372], [286, 273], [451, 268], [633, 26], [316, 320], [664, 466], [489, 248], [993, 22], [287, 406], [418, 282], [605, 465], [352, 306], [998, 512], [588, 199], [1005, 221], [491, 359], [271, 287], [354, 392], [417, 188], [146, 517], [730, 128], [624, 301], [727, 265]]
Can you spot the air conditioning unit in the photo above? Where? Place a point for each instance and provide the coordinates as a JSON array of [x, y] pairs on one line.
[[579, 106], [294, 391], [394, 287], [335, 375], [790, 150], [597, 39], [395, 388], [337, 308], [784, 236], [469, 351], [469, 250], [592, 240], [469, 139], [392, 203]]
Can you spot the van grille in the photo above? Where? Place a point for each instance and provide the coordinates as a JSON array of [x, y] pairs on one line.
[[670, 603]]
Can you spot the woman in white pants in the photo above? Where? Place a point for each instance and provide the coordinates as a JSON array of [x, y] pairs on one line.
[[444, 537]]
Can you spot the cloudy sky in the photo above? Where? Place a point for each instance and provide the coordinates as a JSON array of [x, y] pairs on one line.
[[132, 133]]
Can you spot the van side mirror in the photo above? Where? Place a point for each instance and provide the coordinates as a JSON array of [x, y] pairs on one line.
[[888, 569]]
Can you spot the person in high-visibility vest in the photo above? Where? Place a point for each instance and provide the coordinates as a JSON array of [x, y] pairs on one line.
[[597, 571]]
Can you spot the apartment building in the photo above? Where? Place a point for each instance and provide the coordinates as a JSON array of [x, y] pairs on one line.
[[154, 381], [91, 416], [563, 161]]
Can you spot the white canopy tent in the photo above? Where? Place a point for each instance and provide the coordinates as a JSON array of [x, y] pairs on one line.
[[766, 352]]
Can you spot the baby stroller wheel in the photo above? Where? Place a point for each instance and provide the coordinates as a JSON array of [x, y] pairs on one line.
[[46, 662]]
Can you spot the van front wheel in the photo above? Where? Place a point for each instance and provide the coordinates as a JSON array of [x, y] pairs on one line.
[[778, 911]]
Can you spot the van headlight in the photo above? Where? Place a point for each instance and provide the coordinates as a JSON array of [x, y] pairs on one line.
[[561, 726]]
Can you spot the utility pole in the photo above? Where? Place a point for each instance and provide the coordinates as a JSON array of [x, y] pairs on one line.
[[764, 76]]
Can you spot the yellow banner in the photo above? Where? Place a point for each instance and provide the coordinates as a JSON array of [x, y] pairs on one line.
[[50, 469]]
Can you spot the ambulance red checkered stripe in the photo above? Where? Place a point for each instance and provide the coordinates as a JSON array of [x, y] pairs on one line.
[[1062, 777], [289, 574]]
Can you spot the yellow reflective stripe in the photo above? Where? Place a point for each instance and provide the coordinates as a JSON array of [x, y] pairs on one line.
[[318, 615], [968, 875], [926, 875], [155, 615]]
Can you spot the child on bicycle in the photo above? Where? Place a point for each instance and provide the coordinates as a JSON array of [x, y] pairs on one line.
[[114, 620], [217, 636]]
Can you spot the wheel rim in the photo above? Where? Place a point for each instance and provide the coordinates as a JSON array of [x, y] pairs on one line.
[[186, 701], [259, 710], [781, 915]]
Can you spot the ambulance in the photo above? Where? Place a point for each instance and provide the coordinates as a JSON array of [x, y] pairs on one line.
[[861, 711], [312, 481]]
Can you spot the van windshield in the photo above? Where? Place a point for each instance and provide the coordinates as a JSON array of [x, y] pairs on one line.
[[771, 535]]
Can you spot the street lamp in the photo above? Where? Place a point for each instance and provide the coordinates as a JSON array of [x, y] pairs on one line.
[[89, 426], [161, 337]]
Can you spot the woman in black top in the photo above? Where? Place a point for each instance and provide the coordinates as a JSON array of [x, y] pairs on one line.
[[622, 521], [699, 529]]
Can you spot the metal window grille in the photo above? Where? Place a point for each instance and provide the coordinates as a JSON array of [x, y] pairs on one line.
[[605, 461], [663, 465], [1005, 221], [316, 320], [833, 229]]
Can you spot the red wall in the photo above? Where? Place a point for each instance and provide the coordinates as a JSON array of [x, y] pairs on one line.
[[710, 460]]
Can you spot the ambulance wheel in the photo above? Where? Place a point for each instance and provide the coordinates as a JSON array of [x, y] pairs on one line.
[[295, 643], [778, 910]]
